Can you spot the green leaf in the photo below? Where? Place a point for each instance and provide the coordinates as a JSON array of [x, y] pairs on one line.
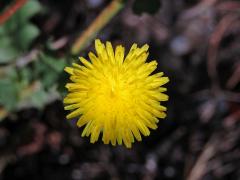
[[2, 30], [8, 94], [39, 98], [11, 26], [146, 6], [31, 8], [48, 68], [7, 51], [49, 79], [57, 64], [17, 34], [25, 76], [5, 41], [8, 54], [26, 35], [22, 16], [9, 89]]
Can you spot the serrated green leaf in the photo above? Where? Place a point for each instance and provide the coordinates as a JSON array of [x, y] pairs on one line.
[[5, 42], [2, 31], [31, 8], [9, 89], [48, 69], [17, 34], [39, 98], [7, 51], [26, 35], [21, 17], [56, 64], [8, 54], [25, 76], [8, 93], [12, 25], [49, 79]]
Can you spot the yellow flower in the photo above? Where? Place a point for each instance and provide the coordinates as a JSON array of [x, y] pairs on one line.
[[116, 95]]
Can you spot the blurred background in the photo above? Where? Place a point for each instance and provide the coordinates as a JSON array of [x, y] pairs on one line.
[[197, 45]]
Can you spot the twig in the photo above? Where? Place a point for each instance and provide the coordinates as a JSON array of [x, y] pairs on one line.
[[215, 40], [228, 6], [11, 10], [232, 119], [91, 32], [200, 8], [232, 96], [200, 166], [235, 78]]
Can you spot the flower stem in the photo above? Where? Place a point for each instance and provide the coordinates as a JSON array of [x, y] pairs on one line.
[[91, 32]]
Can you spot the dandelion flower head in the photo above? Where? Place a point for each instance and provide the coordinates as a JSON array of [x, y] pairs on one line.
[[115, 95]]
